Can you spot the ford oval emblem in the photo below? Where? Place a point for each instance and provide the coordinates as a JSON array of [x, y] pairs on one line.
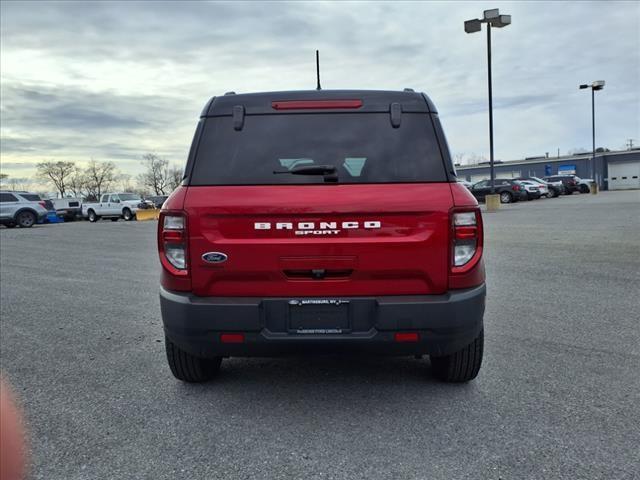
[[214, 257]]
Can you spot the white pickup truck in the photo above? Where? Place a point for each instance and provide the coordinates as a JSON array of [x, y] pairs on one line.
[[113, 206]]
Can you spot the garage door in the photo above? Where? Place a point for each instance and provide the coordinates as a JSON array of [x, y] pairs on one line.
[[623, 176]]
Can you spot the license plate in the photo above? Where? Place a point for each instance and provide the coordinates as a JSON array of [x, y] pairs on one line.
[[318, 316]]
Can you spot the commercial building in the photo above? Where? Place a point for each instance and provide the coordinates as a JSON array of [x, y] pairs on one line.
[[614, 170]]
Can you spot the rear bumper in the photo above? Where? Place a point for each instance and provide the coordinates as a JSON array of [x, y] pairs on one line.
[[445, 323]]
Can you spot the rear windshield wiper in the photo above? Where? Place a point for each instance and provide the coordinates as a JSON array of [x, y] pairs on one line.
[[328, 171]]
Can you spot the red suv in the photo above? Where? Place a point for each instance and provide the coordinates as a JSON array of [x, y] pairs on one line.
[[321, 221]]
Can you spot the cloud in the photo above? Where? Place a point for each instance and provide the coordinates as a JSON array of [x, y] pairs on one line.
[[112, 80], [17, 165]]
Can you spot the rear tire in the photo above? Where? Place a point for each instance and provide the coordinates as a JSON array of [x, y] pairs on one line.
[[92, 216], [460, 366], [26, 219], [189, 368], [584, 189], [506, 197]]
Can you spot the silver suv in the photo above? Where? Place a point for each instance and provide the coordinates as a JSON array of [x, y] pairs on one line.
[[21, 208]]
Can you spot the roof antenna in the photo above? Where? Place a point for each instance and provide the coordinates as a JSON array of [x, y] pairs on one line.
[[318, 68]]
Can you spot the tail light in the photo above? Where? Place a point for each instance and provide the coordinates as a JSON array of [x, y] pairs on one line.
[[466, 236], [516, 188], [43, 205], [172, 243]]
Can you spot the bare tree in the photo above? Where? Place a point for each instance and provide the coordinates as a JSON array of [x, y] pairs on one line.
[[458, 158], [474, 159], [3, 179], [14, 183], [57, 173], [99, 177], [124, 183], [77, 182], [175, 178], [19, 183], [156, 175]]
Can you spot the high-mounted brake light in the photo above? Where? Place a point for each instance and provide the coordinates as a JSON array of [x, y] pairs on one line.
[[172, 243], [315, 104], [466, 237]]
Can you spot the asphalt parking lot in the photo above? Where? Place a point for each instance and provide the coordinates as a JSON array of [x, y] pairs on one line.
[[558, 395]]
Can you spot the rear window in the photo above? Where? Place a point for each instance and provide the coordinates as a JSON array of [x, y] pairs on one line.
[[363, 147], [32, 197]]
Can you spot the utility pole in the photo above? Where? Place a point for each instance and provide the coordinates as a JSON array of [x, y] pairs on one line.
[[629, 143]]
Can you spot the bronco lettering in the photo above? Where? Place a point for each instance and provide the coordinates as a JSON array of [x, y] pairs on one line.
[[312, 226]]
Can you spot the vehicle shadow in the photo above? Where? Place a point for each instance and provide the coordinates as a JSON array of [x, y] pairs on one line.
[[298, 394], [324, 379]]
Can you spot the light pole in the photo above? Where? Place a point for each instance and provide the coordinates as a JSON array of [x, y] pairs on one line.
[[491, 18], [597, 85]]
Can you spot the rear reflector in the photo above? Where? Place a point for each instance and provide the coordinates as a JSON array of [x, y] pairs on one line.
[[315, 104], [406, 337], [232, 338]]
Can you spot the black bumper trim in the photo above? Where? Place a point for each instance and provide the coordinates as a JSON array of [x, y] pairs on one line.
[[446, 323]]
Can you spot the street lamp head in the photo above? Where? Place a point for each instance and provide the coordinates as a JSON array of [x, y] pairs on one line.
[[472, 26], [597, 85], [491, 14], [501, 21]]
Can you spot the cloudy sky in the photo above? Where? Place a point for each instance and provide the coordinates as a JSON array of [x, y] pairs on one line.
[[115, 80]]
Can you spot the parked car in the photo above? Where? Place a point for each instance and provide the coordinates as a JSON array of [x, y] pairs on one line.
[[23, 209], [113, 206], [570, 182], [534, 190], [364, 243], [465, 183], [158, 200], [554, 189], [509, 190], [584, 184], [146, 204], [68, 208]]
